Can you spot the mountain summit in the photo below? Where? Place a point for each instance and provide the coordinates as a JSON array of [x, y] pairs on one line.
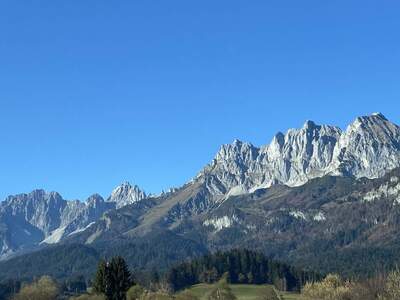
[[125, 194], [369, 147]]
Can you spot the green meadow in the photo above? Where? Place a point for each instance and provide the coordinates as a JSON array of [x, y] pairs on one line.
[[243, 291]]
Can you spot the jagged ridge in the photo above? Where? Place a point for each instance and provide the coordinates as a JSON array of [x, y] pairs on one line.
[[369, 147], [38, 218]]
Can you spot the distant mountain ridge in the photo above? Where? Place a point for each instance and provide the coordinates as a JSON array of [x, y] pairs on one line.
[[330, 224], [40, 217], [369, 147]]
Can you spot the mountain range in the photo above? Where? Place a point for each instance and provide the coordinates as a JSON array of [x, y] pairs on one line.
[[313, 195], [39, 218]]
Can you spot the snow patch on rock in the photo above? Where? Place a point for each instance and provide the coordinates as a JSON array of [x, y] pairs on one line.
[[237, 190], [298, 214], [81, 229], [319, 217], [55, 236], [384, 191], [222, 222]]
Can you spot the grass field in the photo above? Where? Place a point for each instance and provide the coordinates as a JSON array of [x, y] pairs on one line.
[[291, 296], [241, 291]]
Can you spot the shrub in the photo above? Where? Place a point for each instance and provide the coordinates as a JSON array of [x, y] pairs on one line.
[[331, 288], [43, 289], [392, 286], [222, 291], [368, 289], [134, 293]]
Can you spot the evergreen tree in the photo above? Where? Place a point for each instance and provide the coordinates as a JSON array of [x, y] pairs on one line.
[[99, 282], [112, 279], [8, 288], [120, 278], [154, 276]]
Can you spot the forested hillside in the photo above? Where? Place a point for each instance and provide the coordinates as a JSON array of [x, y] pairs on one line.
[[240, 266]]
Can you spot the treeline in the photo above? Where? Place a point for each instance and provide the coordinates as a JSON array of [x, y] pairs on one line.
[[240, 266], [113, 280], [63, 261], [9, 287], [73, 285]]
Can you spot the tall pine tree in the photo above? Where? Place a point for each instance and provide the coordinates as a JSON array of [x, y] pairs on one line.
[[120, 278], [99, 282], [112, 279]]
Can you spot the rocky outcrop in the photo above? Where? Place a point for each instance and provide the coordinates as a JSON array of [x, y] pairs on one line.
[[125, 194], [27, 220], [369, 147]]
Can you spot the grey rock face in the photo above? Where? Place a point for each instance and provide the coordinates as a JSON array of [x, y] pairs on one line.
[[40, 209], [38, 218], [27, 220], [368, 148], [126, 194]]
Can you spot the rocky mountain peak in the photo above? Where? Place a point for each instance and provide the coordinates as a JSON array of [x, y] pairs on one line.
[[369, 147], [125, 194], [38, 199], [371, 121], [380, 115], [238, 150], [94, 199], [309, 124], [375, 126]]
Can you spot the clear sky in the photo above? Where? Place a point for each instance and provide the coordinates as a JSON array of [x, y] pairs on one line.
[[96, 92]]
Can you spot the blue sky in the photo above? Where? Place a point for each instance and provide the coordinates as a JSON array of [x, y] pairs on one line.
[[96, 92]]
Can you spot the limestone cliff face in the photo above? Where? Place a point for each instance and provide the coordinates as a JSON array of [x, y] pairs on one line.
[[40, 217], [125, 194], [369, 147]]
